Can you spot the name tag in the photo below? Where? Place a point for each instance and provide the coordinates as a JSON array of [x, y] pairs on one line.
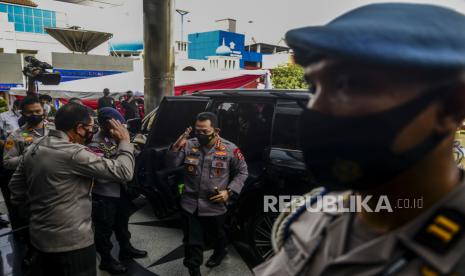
[[219, 164], [192, 160]]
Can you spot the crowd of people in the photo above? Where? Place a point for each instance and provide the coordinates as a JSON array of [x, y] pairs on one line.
[[53, 204], [388, 99]]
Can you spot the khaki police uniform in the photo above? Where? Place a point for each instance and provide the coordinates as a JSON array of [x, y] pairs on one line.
[[339, 244], [222, 167], [18, 141], [55, 179]]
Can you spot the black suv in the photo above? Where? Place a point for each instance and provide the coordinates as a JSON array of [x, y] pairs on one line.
[[263, 124]]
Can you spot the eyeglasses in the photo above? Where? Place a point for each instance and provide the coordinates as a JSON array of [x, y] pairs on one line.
[[95, 127]]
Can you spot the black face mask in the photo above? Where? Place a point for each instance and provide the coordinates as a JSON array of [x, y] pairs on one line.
[[205, 139], [89, 135], [33, 120], [355, 152]]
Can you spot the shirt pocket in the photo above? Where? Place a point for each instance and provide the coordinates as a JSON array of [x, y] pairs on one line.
[[191, 164], [219, 168]]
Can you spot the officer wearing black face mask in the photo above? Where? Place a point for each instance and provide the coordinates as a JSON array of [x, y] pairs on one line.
[[215, 170], [35, 127], [390, 93]]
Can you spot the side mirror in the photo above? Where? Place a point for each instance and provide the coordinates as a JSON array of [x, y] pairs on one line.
[[134, 125]]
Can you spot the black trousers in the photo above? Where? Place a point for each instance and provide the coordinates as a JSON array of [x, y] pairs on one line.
[[196, 230], [110, 214], [81, 262]]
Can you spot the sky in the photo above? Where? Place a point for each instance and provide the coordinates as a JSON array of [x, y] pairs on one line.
[[264, 20]]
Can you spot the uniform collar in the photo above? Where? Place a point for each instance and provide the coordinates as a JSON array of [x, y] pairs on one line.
[[443, 263], [58, 134]]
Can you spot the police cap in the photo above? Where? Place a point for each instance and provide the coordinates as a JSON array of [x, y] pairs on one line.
[[397, 34]]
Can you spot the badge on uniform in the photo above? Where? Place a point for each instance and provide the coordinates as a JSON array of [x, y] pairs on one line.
[[9, 144], [443, 231], [28, 139], [221, 153], [238, 154], [218, 166]]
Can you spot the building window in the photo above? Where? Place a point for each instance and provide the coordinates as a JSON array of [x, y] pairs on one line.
[[27, 19], [225, 64]]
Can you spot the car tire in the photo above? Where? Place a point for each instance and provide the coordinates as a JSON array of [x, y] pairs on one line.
[[259, 229]]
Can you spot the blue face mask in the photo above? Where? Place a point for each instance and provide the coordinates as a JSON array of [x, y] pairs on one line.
[[356, 152]]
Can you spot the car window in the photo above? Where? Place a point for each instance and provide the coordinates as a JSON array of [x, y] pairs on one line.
[[173, 117], [286, 126], [246, 124]]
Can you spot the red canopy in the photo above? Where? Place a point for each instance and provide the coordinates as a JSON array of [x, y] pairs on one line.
[[231, 83]]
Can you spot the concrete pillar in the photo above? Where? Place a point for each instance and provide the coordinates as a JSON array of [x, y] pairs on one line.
[[158, 52]]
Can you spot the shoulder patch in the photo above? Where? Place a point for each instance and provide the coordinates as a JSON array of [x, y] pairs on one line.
[[9, 144], [238, 154]]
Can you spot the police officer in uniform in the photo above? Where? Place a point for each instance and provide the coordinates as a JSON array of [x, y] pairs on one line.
[[215, 170], [17, 143], [36, 127], [54, 179], [389, 95], [111, 206]]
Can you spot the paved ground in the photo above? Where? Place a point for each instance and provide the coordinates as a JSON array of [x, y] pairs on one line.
[[161, 238]]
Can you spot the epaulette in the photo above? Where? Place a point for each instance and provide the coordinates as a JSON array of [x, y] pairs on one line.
[[442, 231], [280, 231]]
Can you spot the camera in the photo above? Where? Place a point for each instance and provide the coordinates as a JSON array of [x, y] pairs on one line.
[[37, 70]]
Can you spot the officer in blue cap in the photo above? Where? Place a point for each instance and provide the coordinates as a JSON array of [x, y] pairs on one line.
[[389, 93], [111, 205]]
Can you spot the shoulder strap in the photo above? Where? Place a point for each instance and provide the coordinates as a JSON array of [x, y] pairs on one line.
[[280, 231]]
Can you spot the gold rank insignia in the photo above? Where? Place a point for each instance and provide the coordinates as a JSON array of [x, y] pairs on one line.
[[221, 153], [28, 139], [9, 144], [442, 231]]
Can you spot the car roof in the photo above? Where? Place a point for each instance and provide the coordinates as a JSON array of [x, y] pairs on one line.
[[256, 93]]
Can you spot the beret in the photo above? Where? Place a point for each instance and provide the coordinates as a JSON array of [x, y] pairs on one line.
[[393, 34], [107, 113]]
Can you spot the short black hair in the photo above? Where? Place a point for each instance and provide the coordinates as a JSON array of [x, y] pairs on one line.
[[17, 103], [204, 116], [28, 100], [45, 97], [70, 115], [106, 91]]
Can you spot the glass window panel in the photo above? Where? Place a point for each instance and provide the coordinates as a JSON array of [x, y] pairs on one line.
[[47, 23], [38, 21], [10, 9], [28, 11], [11, 18], [18, 10], [38, 29], [28, 20], [3, 8], [29, 28], [19, 18], [47, 14], [19, 27], [37, 12], [54, 22]]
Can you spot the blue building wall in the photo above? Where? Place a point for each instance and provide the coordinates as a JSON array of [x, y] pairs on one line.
[[202, 45], [28, 19]]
